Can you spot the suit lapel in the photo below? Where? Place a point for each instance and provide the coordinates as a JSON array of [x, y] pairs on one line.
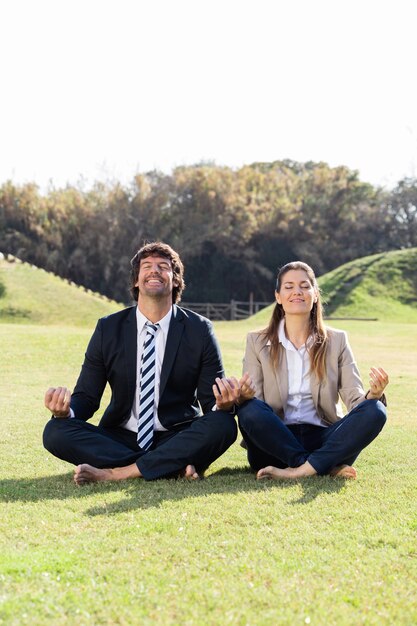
[[280, 376], [130, 336], [315, 388], [176, 328]]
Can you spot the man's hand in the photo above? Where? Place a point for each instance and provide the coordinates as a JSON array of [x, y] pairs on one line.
[[230, 391], [57, 400], [227, 392]]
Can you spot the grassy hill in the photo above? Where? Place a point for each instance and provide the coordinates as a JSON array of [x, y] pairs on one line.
[[382, 286], [33, 296]]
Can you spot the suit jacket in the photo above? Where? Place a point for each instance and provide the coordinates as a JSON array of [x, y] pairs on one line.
[[191, 363], [342, 377]]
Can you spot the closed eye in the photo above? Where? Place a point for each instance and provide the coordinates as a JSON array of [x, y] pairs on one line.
[[162, 267], [302, 286]]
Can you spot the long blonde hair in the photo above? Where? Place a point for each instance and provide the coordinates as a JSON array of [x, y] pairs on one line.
[[318, 346]]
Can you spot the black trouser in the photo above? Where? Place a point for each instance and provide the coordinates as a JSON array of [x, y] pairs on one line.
[[199, 444], [270, 442]]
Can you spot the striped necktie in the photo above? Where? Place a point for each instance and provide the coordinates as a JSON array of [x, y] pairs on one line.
[[147, 388]]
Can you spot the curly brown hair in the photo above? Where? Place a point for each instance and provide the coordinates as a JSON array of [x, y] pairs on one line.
[[158, 248]]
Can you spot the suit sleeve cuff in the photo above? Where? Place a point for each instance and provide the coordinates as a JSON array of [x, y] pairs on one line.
[[70, 416]]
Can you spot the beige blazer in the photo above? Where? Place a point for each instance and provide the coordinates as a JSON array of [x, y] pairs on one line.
[[342, 377]]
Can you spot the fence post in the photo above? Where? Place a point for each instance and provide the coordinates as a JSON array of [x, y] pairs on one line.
[[232, 310], [251, 311]]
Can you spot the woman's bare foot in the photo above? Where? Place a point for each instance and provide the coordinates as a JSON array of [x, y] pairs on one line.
[[85, 473], [344, 471], [289, 473]]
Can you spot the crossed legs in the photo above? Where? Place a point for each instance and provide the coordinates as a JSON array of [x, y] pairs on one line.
[[281, 452], [102, 454]]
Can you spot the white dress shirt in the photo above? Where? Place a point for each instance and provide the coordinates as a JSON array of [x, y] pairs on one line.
[[300, 406], [160, 343]]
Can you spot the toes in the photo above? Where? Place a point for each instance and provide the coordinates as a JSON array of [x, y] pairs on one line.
[[191, 473], [263, 477], [346, 471], [264, 473]]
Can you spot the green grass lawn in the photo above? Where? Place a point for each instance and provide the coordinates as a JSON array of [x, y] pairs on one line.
[[226, 550]]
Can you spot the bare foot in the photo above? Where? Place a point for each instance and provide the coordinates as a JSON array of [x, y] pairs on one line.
[[85, 473], [289, 473], [344, 471], [88, 474], [190, 473]]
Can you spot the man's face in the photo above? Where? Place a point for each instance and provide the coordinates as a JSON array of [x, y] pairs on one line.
[[155, 277]]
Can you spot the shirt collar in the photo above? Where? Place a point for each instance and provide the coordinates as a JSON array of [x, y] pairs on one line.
[[163, 323], [282, 338]]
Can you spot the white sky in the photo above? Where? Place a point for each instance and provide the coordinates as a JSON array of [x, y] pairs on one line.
[[102, 89]]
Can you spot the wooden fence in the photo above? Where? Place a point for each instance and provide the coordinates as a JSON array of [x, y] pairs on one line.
[[238, 310], [233, 310]]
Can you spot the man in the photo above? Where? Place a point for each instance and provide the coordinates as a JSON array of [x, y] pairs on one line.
[[162, 363]]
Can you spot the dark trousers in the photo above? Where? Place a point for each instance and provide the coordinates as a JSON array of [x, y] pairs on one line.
[[201, 443], [270, 442]]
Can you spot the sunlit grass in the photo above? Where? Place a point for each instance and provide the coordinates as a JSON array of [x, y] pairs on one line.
[[29, 295], [227, 550]]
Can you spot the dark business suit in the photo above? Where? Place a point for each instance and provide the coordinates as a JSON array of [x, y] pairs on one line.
[[191, 363]]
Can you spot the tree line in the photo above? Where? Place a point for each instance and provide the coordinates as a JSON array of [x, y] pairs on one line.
[[232, 228]]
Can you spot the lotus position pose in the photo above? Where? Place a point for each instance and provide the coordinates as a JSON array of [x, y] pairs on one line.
[[299, 368], [161, 363]]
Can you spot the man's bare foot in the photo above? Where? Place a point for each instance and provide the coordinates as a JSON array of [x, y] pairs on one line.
[[85, 473], [344, 471], [190, 473], [289, 473]]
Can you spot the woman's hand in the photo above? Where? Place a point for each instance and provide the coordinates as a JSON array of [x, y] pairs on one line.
[[378, 380], [247, 389]]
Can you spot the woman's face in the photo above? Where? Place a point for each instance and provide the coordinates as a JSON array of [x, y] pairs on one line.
[[297, 294]]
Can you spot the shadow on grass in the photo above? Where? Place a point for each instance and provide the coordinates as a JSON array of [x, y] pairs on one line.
[[137, 494], [312, 487], [140, 494], [318, 485]]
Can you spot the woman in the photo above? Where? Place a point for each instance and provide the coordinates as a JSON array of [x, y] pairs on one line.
[[299, 368]]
